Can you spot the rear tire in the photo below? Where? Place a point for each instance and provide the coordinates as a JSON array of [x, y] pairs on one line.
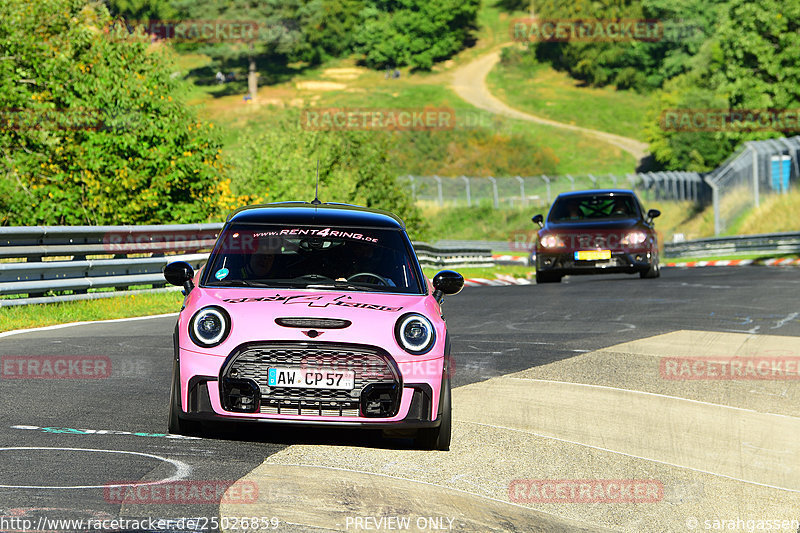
[[438, 438], [176, 424], [547, 277]]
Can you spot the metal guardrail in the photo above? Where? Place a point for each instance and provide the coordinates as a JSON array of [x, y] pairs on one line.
[[35, 261], [773, 243]]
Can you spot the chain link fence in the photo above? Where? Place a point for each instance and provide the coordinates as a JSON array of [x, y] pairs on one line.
[[539, 191], [757, 169]]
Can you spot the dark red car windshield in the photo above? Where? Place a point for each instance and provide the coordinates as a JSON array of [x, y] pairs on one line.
[[594, 207], [320, 257]]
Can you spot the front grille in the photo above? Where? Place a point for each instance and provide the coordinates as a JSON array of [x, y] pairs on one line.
[[370, 366]]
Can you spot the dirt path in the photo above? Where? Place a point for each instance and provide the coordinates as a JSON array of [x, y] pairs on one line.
[[469, 82]]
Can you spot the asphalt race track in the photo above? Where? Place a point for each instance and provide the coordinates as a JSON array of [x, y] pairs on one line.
[[569, 385]]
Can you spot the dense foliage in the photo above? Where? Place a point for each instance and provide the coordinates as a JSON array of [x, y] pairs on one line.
[[93, 130], [280, 161], [383, 33], [416, 33], [717, 54]]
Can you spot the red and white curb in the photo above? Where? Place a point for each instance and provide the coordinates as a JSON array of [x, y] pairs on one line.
[[781, 261], [499, 282], [506, 259]]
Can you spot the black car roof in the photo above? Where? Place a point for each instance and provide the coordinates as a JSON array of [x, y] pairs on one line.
[[308, 214], [599, 192]]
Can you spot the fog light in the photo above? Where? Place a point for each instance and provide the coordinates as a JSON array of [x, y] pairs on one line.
[[240, 395], [380, 400]]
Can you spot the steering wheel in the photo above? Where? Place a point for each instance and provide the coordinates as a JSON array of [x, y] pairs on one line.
[[383, 281]]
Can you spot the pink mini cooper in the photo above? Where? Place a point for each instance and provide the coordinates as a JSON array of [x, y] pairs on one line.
[[313, 314]]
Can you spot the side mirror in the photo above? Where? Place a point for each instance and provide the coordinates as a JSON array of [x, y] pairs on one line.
[[447, 282], [538, 219], [179, 273], [653, 213]]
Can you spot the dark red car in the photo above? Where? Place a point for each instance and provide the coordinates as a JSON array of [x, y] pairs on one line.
[[596, 232]]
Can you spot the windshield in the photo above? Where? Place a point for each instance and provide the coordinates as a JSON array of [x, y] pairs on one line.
[[573, 208], [314, 257]]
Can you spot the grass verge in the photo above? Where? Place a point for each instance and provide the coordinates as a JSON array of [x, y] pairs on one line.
[[133, 305], [144, 304]]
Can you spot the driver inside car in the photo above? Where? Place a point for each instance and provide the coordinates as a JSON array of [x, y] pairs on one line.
[[365, 260], [259, 264]]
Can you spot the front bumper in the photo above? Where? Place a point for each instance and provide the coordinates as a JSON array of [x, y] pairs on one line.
[[620, 262], [234, 388]]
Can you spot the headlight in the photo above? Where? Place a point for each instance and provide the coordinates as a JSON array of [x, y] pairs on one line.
[[552, 241], [634, 238], [415, 333], [209, 326]]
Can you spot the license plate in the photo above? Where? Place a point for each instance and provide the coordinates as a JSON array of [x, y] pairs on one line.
[[592, 255], [311, 378]]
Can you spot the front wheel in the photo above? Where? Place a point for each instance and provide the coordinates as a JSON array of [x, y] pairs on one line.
[[653, 272], [547, 277], [438, 438]]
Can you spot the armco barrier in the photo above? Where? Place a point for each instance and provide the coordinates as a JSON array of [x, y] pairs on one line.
[[37, 261], [774, 243]]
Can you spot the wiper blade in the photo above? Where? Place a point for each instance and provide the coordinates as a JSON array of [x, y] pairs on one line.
[[253, 283], [343, 285]]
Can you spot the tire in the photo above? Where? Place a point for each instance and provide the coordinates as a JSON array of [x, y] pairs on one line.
[[653, 272], [438, 438], [176, 424], [547, 277]]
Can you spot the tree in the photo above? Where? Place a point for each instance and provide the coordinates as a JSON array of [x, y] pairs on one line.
[[750, 63], [354, 167], [416, 33], [94, 130]]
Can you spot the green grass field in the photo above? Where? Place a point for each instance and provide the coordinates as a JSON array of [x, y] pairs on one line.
[[545, 92]]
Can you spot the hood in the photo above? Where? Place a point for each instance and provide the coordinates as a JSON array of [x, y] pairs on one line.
[[588, 225], [372, 316]]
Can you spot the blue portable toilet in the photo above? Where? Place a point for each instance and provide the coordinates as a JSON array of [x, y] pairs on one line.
[[780, 168]]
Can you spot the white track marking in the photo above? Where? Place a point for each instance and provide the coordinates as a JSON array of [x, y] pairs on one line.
[[182, 470], [652, 394]]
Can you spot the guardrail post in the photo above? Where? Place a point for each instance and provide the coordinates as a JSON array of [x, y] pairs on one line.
[[755, 175], [521, 191], [572, 181], [469, 196], [439, 187], [614, 179], [547, 184], [715, 200], [594, 180], [494, 192]]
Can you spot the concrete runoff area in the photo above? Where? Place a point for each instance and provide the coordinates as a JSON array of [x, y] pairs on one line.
[[711, 461]]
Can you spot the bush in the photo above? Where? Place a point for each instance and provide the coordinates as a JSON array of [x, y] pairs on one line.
[[95, 131]]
